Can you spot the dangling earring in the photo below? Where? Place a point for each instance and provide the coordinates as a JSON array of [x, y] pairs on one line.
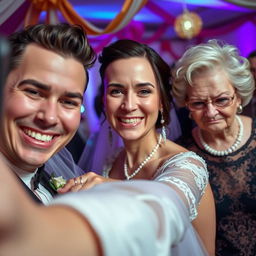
[[239, 109], [110, 136], [163, 132], [190, 116]]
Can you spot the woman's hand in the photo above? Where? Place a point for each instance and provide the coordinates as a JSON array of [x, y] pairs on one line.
[[83, 182]]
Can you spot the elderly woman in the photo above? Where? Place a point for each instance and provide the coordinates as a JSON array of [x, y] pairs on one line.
[[214, 82]]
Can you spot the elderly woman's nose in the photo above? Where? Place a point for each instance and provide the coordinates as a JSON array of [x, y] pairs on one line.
[[210, 110]]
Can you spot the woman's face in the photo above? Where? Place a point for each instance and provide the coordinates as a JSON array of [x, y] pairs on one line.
[[131, 97], [209, 88]]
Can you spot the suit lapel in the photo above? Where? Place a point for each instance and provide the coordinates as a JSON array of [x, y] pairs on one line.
[[29, 191], [44, 181]]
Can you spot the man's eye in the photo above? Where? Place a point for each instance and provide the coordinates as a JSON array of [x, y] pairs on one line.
[[32, 92], [70, 103]]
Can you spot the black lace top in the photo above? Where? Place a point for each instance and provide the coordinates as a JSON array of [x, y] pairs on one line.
[[233, 181]]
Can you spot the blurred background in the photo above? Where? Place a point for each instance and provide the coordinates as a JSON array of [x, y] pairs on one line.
[[168, 26]]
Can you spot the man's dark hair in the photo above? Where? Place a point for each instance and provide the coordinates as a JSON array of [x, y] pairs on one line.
[[63, 39]]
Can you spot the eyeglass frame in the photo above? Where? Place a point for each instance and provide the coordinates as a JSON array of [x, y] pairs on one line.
[[212, 101]]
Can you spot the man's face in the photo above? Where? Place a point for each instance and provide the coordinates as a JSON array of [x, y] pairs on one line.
[[42, 102]]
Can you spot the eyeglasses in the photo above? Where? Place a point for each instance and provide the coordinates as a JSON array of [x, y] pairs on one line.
[[220, 102]]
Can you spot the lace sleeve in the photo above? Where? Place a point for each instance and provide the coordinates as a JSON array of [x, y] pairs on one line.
[[188, 173]]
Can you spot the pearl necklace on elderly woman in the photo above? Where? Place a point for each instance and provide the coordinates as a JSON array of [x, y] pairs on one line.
[[230, 149], [128, 177]]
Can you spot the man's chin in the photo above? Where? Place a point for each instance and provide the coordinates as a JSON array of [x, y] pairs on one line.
[[34, 161]]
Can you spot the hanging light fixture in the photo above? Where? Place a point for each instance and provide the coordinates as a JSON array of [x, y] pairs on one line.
[[188, 24]]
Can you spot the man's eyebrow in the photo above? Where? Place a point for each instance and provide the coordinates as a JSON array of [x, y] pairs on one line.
[[74, 95], [48, 88], [36, 84]]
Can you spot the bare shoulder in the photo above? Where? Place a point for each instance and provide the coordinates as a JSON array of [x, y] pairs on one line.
[[170, 149], [246, 120]]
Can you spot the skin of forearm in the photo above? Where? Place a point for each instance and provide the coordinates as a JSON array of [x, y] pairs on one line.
[[27, 229], [51, 231]]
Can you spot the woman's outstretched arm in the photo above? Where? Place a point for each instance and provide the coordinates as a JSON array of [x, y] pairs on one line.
[[28, 229], [119, 218]]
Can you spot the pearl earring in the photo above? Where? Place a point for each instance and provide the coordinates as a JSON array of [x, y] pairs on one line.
[[239, 109], [163, 132]]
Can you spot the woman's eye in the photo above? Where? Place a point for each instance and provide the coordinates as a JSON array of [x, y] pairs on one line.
[[222, 100], [197, 104], [115, 92], [144, 92]]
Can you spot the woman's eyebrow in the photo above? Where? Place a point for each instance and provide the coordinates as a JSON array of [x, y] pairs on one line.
[[137, 85], [145, 84]]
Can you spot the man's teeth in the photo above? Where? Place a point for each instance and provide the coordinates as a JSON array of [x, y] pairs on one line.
[[131, 120], [38, 136]]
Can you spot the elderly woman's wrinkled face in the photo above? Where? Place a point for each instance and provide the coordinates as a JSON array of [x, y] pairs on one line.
[[213, 101]]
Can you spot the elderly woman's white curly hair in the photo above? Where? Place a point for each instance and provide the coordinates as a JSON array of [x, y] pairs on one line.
[[209, 56]]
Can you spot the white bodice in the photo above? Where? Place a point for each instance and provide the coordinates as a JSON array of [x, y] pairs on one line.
[[187, 172]]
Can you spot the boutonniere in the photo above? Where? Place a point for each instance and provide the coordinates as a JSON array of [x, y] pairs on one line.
[[57, 182]]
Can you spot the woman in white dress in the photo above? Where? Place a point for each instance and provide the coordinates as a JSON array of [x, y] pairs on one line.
[[137, 102]]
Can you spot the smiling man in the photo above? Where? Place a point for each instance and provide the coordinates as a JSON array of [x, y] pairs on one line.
[[42, 99]]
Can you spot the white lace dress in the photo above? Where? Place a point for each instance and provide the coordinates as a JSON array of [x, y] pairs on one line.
[[151, 218]]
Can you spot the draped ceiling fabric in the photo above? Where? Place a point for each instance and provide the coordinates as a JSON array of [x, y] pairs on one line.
[[129, 9], [15, 13], [244, 3], [12, 14], [7, 8]]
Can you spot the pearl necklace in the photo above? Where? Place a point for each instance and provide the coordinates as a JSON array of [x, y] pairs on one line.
[[230, 149], [128, 177]]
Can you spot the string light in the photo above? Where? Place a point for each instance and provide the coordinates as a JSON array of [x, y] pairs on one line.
[[188, 24]]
